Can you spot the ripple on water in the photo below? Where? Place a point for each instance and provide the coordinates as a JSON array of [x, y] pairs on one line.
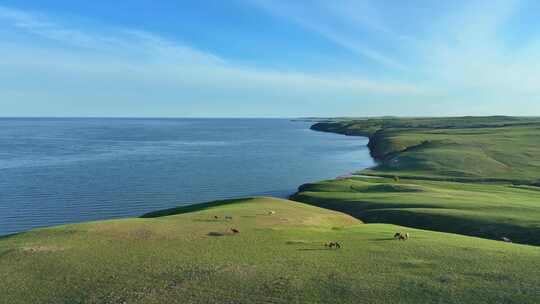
[[55, 171]]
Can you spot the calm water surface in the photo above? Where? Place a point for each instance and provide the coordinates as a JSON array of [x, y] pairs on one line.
[[55, 171]]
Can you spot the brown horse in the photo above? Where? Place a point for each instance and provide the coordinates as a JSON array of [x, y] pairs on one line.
[[333, 245], [401, 236]]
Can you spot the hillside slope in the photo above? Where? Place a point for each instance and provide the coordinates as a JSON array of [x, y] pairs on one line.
[[190, 256], [486, 210], [494, 148], [494, 160]]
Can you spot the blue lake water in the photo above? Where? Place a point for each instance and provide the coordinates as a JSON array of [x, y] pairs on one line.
[[55, 171]]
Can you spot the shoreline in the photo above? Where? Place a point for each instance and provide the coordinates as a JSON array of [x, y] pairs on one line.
[[383, 159], [203, 253], [468, 159], [292, 189], [340, 127]]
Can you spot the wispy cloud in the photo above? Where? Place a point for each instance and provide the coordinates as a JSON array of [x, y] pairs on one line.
[[121, 60], [43, 27], [477, 55], [108, 40], [464, 46], [442, 63], [329, 19]]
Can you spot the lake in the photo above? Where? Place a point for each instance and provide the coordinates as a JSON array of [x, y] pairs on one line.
[[67, 170]]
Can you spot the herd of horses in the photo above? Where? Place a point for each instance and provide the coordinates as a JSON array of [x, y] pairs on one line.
[[331, 245], [398, 236], [229, 218]]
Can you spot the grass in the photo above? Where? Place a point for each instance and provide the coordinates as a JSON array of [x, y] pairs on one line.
[[460, 149], [437, 172], [485, 210], [456, 174], [190, 257]]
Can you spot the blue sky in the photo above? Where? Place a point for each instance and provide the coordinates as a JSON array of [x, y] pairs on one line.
[[263, 58]]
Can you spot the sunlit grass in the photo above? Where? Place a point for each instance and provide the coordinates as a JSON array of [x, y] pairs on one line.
[[281, 258]]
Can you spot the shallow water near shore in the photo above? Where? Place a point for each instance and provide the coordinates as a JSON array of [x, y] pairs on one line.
[[55, 171]]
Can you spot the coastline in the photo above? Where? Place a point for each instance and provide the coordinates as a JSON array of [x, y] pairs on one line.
[[404, 147], [419, 160], [203, 253], [334, 127], [375, 136], [284, 168], [196, 206]]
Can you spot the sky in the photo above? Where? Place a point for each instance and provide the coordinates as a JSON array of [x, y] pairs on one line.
[[269, 58]]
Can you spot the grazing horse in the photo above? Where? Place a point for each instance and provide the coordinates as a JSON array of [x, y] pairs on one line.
[[271, 212], [216, 217], [333, 245], [228, 217], [235, 230], [401, 236]]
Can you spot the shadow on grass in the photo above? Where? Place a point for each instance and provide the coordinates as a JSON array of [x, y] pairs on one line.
[[406, 215], [315, 249], [193, 208], [383, 239], [213, 233], [209, 220]]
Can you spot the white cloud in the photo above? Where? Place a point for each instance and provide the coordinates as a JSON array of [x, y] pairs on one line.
[[118, 62], [461, 48], [328, 21], [469, 51], [463, 59], [107, 41]]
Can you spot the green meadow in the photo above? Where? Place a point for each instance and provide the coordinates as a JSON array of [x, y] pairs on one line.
[[485, 210], [460, 149], [469, 175], [458, 186], [189, 256]]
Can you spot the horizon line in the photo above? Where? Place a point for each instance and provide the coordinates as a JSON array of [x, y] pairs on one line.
[[262, 117]]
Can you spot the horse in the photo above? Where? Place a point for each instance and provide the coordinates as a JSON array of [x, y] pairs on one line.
[[333, 244], [401, 236]]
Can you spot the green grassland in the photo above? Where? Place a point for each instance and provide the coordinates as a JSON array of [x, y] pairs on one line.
[[485, 210], [189, 256], [471, 176], [461, 149]]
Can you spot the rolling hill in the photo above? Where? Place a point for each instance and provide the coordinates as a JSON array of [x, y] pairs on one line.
[[189, 256]]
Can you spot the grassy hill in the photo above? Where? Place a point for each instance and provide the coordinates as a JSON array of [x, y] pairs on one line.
[[191, 257], [486, 210], [494, 148], [191, 254], [487, 157]]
